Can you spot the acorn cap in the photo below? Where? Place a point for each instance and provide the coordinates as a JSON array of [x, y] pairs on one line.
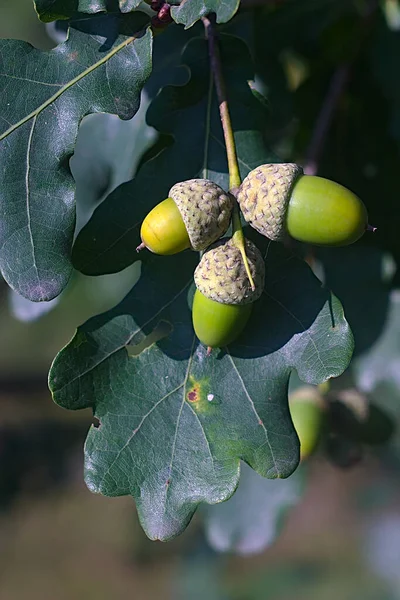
[[264, 197], [221, 275], [205, 209]]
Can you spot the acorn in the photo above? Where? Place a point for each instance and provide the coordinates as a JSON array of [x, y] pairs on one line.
[[278, 199], [307, 410], [195, 214], [224, 297]]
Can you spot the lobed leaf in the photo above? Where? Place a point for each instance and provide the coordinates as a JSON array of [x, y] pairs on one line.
[[102, 67], [174, 423], [190, 11]]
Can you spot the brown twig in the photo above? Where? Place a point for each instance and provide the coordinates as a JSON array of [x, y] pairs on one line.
[[337, 87], [324, 119]]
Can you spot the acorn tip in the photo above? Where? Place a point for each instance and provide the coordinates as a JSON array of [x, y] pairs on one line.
[[141, 246], [371, 228], [209, 350]]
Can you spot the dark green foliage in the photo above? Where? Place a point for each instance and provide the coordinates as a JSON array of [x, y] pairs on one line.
[[51, 10], [172, 423], [108, 242], [167, 447], [44, 95]]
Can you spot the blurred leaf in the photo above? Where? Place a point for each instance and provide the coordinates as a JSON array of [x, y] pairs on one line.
[[378, 428], [57, 31], [342, 451], [391, 10], [250, 521], [381, 363], [190, 11], [108, 242], [353, 417], [174, 422], [25, 310], [44, 95], [51, 10], [382, 546]]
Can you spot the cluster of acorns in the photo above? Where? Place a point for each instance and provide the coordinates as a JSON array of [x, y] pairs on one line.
[[277, 200]]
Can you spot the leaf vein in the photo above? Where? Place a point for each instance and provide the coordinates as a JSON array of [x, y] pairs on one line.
[[26, 79], [68, 85], [305, 330], [121, 346], [136, 430], [267, 441]]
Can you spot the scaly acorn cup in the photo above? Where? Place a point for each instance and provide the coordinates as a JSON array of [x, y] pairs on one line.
[[224, 298], [307, 410], [196, 214], [277, 199]]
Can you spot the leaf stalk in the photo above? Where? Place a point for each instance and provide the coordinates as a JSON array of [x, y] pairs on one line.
[[233, 165]]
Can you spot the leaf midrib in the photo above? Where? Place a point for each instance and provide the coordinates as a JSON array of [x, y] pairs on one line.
[[71, 83]]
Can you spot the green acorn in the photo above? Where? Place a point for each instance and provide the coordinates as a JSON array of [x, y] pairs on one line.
[[196, 214], [216, 324], [277, 199], [307, 410], [223, 300]]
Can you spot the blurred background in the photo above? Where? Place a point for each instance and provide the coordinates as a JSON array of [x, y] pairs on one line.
[[328, 72]]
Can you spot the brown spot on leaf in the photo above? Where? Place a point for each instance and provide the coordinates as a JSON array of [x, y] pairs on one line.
[[193, 395], [198, 395]]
